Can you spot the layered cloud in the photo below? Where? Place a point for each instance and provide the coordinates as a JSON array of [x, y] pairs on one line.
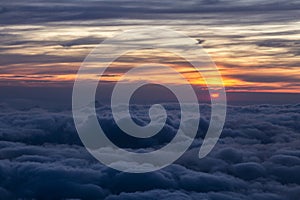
[[41, 12], [38, 36], [257, 157]]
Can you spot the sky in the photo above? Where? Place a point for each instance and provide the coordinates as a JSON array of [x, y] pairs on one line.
[[255, 44]]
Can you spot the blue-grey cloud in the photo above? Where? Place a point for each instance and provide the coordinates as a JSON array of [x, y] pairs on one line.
[[257, 157], [37, 12]]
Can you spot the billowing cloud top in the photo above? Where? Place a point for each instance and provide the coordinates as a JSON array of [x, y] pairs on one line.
[[257, 156]]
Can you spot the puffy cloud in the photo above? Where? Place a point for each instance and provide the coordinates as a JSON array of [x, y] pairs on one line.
[[41, 156], [249, 171]]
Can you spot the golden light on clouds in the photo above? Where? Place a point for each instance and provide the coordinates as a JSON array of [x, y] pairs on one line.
[[250, 57]]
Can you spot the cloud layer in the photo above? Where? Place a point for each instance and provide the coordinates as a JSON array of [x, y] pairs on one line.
[[258, 157], [38, 36]]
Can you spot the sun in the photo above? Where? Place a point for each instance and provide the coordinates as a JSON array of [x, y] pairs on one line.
[[215, 95]]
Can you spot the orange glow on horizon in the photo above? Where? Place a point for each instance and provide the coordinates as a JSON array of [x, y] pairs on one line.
[[215, 95]]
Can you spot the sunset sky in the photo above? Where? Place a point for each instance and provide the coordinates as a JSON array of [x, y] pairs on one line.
[[255, 44]]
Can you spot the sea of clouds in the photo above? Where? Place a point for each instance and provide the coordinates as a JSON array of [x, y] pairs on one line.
[[257, 157]]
